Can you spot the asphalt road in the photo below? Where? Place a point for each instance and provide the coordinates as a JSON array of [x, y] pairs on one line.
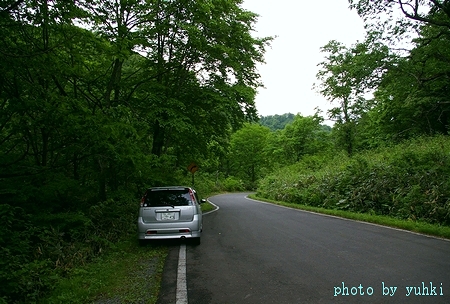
[[254, 252]]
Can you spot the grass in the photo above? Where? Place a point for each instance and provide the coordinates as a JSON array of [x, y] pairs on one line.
[[206, 207], [127, 274], [419, 227]]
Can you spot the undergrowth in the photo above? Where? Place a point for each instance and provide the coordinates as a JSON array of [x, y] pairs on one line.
[[39, 251], [128, 274], [410, 181]]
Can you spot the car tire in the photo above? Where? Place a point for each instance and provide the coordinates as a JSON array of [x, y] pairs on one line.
[[142, 242]]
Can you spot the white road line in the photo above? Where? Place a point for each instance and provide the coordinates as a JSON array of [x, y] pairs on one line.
[[181, 295], [217, 207]]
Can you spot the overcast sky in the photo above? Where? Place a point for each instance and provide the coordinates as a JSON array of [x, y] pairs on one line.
[[302, 28]]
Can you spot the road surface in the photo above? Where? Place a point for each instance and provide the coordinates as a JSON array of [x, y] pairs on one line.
[[254, 252]]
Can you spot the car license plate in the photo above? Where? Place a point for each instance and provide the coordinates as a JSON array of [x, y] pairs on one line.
[[167, 216]]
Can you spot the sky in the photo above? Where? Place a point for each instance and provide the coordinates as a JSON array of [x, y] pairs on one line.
[[302, 28]]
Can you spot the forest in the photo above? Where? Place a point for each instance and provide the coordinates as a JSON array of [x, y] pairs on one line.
[[101, 99]]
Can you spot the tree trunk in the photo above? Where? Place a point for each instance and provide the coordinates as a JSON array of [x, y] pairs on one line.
[[113, 83], [158, 138], [348, 138]]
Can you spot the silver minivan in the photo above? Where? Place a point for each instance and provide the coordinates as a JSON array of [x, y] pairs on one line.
[[170, 213]]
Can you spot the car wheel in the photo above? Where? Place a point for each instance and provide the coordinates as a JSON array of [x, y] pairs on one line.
[[143, 242]]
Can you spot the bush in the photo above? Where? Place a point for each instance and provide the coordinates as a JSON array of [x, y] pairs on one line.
[[207, 183], [38, 250], [233, 184], [408, 181], [13, 247], [204, 183]]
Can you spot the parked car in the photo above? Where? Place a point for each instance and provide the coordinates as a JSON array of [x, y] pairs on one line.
[[170, 213]]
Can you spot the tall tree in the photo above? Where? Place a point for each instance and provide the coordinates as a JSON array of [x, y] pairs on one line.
[[413, 97], [189, 46], [36, 127], [346, 77]]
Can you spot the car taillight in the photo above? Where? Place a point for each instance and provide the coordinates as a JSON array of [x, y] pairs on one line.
[[192, 195], [142, 201]]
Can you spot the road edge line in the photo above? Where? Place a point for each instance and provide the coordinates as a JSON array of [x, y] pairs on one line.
[[217, 207], [181, 293]]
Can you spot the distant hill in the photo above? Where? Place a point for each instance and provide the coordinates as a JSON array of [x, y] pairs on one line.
[[276, 122], [326, 128]]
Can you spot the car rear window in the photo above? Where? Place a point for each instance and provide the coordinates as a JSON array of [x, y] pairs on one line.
[[172, 197]]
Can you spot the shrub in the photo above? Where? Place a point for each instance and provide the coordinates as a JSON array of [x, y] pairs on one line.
[[37, 251], [233, 184], [408, 181]]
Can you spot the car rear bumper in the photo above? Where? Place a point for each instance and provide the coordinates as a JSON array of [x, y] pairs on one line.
[[165, 236], [167, 230]]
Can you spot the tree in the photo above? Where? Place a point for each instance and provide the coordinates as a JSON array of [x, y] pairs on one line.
[[191, 48], [247, 152], [347, 75], [304, 136], [395, 18], [39, 116], [413, 97], [134, 90]]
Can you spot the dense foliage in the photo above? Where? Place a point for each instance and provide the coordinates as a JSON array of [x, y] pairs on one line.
[[407, 181], [98, 100], [394, 85], [276, 122], [387, 101], [391, 116]]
